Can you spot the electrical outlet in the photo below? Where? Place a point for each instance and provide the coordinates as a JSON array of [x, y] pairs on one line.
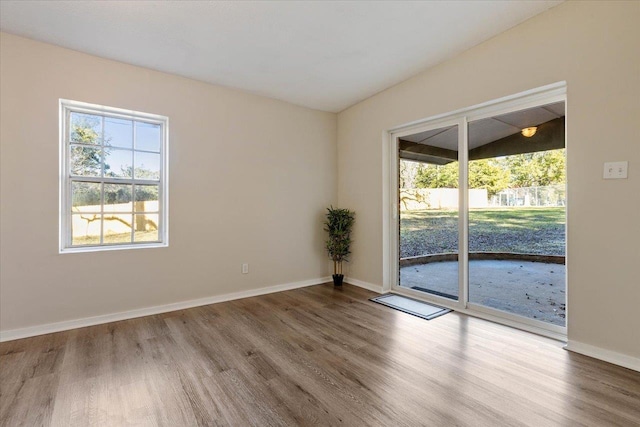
[[615, 170], [245, 268]]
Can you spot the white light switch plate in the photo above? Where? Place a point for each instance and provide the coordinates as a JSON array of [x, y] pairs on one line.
[[615, 170]]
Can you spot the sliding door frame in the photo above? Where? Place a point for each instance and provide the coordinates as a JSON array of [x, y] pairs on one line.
[[461, 123], [391, 209]]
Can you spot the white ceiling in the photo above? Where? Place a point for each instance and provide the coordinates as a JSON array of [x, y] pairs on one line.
[[322, 55]]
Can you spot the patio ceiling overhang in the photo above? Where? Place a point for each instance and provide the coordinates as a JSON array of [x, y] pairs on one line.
[[492, 137]]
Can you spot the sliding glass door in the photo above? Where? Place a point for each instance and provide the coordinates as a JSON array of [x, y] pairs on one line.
[[481, 218]]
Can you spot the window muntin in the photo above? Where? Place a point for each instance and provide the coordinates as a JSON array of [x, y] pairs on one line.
[[113, 187]]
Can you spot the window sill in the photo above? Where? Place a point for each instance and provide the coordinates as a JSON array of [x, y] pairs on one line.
[[104, 248]]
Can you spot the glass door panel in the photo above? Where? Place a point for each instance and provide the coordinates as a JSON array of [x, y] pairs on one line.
[[429, 211], [517, 189]]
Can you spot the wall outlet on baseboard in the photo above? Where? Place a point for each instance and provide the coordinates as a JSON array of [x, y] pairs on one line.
[[245, 268]]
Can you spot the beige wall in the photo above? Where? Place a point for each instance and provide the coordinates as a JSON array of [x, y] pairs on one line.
[[594, 47], [262, 170], [254, 158]]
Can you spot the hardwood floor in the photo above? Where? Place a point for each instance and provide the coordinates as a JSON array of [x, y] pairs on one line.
[[312, 356]]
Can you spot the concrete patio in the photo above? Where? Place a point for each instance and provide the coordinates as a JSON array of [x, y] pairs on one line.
[[535, 290]]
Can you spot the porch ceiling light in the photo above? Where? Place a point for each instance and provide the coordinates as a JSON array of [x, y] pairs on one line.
[[529, 132]]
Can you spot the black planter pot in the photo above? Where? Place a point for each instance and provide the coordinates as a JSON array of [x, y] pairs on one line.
[[337, 279]]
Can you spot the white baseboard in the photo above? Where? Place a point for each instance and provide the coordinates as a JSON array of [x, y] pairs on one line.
[[365, 285], [619, 359], [15, 334]]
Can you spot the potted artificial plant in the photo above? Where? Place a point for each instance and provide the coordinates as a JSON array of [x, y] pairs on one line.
[[339, 224]]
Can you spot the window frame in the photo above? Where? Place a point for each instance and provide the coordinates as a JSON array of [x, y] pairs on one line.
[[66, 180]]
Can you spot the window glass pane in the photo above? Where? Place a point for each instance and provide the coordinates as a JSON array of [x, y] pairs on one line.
[[146, 228], [117, 163], [147, 166], [85, 128], [517, 217], [146, 198], [85, 229], [117, 198], [85, 196], [113, 165], [85, 161], [118, 132], [430, 212], [117, 228], [147, 137]]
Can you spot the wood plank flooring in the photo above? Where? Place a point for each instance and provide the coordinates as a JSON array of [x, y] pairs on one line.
[[312, 356]]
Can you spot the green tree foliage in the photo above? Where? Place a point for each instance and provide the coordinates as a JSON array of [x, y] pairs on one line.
[[146, 192], [83, 130], [140, 172], [489, 174], [438, 176], [86, 161], [495, 174], [537, 169], [86, 194]]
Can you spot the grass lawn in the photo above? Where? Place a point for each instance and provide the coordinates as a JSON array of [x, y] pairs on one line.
[[523, 230]]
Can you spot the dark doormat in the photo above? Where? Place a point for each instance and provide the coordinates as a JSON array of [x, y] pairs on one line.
[[411, 306]]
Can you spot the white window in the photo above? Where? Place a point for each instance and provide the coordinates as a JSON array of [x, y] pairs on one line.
[[113, 180]]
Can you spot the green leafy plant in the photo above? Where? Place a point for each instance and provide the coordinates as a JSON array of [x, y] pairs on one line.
[[339, 224]]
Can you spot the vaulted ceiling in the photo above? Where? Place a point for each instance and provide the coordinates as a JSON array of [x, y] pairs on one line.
[[322, 55]]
